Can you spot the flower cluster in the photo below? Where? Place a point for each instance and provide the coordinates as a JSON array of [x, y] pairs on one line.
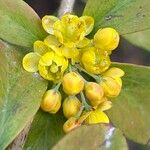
[[64, 57]]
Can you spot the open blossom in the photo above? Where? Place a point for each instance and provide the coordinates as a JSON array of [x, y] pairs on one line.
[[69, 58], [50, 65]]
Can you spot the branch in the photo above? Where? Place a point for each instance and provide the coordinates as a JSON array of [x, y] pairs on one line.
[[66, 6]]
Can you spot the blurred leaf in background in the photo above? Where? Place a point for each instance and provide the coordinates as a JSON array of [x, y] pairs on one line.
[[22, 27], [140, 39], [125, 16], [18, 101], [94, 137], [46, 130]]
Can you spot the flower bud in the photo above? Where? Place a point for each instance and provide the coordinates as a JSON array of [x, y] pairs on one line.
[[70, 124], [51, 101], [106, 39], [114, 72], [94, 61], [110, 86], [97, 116], [71, 106], [72, 83], [94, 92]]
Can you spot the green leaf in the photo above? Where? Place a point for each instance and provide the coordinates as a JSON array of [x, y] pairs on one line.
[[19, 24], [100, 137], [131, 109], [45, 131], [140, 39], [20, 93], [126, 16]]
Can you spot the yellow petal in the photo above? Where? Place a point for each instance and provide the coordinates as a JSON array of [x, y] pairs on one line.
[[70, 52], [97, 117], [84, 116], [53, 43], [114, 72], [30, 62], [59, 36], [119, 81], [61, 61], [58, 26], [83, 43], [70, 124], [52, 40], [46, 59], [45, 73], [89, 21], [47, 23], [41, 48], [105, 105]]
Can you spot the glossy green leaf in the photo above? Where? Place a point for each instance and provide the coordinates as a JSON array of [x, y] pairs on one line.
[[126, 16], [45, 131], [131, 109], [94, 137], [140, 39], [19, 24], [20, 93]]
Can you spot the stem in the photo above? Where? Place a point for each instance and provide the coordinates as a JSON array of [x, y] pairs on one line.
[[97, 78], [84, 103], [66, 6], [70, 68], [80, 112], [57, 86]]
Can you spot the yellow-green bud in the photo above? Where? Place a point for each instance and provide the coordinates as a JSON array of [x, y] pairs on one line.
[[97, 116], [72, 83], [70, 124], [51, 101], [110, 86], [94, 92], [106, 39], [71, 106]]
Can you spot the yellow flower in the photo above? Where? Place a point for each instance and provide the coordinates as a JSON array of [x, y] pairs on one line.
[[70, 124], [72, 83], [106, 39], [70, 30], [94, 92], [110, 86], [95, 62], [52, 66], [97, 116], [112, 82], [51, 101], [71, 106]]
